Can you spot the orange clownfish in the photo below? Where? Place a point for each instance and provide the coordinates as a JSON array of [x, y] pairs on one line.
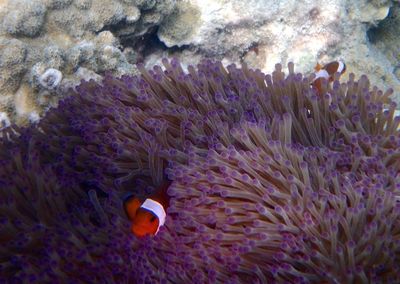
[[326, 72], [148, 215]]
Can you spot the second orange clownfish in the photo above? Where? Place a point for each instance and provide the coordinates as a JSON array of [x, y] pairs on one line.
[[148, 215], [326, 72]]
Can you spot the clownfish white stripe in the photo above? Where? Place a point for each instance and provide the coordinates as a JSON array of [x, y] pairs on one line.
[[340, 67], [321, 74], [157, 209]]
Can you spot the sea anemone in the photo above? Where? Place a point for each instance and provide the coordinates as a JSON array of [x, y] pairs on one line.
[[272, 181], [50, 230]]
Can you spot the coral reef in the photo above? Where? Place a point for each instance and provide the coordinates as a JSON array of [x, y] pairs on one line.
[[385, 35], [97, 36], [264, 32], [270, 181], [39, 35], [25, 22]]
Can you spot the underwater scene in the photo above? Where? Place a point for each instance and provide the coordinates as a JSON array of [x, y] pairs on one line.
[[200, 141]]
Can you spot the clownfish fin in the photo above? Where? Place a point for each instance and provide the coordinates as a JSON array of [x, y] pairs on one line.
[[161, 195], [318, 67], [318, 85], [320, 81]]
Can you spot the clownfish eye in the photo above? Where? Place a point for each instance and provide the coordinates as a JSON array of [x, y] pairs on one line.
[[152, 219]]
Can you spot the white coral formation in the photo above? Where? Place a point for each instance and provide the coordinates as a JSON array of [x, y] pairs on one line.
[[4, 120], [50, 79]]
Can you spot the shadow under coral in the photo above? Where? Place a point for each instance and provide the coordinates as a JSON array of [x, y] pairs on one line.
[[271, 181]]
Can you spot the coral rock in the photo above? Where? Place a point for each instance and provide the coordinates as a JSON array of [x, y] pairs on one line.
[[50, 79]]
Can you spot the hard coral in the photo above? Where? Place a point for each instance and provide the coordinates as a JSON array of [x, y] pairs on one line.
[[68, 36], [271, 182]]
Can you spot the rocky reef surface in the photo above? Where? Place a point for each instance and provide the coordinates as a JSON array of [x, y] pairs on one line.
[[50, 45], [47, 46]]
